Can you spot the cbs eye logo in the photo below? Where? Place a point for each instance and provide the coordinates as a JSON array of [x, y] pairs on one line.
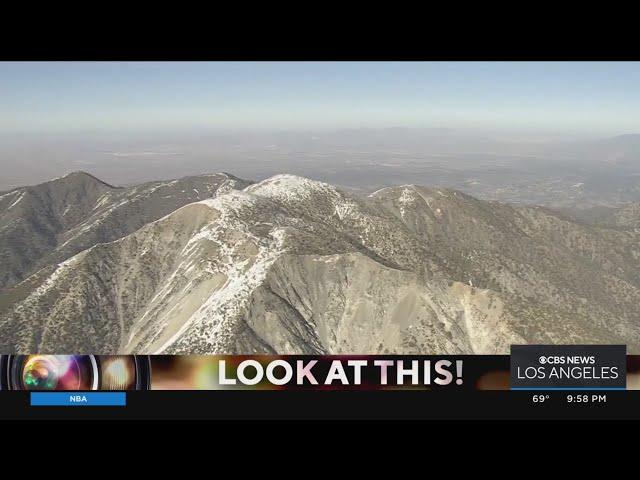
[[75, 372]]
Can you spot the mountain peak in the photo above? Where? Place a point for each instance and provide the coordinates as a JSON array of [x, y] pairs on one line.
[[78, 176], [81, 176], [290, 186]]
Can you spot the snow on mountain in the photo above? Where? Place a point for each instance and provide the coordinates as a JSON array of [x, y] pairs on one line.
[[292, 265], [47, 223]]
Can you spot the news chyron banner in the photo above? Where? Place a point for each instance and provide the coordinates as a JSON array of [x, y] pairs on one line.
[[311, 372], [252, 372], [529, 367]]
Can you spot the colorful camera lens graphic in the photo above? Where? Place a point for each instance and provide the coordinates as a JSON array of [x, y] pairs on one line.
[[75, 372], [56, 372]]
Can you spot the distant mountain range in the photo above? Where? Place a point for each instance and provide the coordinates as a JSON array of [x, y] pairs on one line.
[[216, 264], [543, 169]]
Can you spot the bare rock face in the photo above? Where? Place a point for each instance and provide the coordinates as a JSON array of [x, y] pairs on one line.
[[291, 265]]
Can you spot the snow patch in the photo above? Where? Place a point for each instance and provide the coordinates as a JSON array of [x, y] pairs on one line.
[[16, 201], [102, 200], [50, 281], [243, 274], [14, 192], [290, 187]]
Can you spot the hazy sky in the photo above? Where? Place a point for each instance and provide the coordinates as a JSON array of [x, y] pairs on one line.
[[601, 98]]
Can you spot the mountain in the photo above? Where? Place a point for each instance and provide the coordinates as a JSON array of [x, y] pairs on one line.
[[45, 224], [291, 265], [625, 217]]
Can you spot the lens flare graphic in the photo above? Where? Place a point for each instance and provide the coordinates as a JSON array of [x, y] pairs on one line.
[[40, 373], [118, 373], [57, 372]]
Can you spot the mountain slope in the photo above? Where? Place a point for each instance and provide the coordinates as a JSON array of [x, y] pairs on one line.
[[48, 223], [290, 265]]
